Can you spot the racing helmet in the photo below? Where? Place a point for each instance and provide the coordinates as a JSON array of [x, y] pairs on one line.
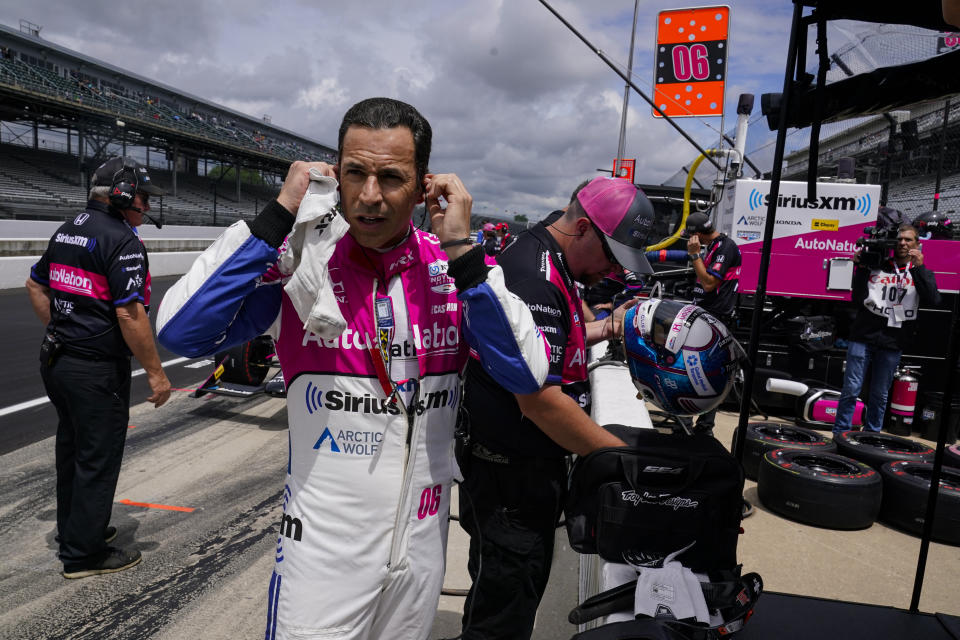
[[933, 224], [681, 358]]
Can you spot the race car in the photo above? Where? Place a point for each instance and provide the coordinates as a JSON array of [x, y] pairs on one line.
[[240, 372]]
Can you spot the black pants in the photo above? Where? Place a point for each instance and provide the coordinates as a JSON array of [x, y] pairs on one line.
[[510, 512], [92, 399]]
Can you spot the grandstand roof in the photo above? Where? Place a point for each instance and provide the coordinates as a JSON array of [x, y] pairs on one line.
[[39, 44]]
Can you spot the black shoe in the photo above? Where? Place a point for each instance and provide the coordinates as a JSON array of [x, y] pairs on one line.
[[109, 535], [117, 560]]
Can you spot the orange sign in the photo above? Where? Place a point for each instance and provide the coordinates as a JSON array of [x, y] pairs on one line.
[[626, 168], [691, 62]]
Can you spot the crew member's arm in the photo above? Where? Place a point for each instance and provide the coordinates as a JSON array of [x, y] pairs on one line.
[[561, 418], [135, 327], [499, 326], [708, 281], [39, 300], [610, 327], [231, 294]]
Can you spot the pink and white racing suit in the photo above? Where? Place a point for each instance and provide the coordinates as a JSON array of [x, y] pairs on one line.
[[361, 550]]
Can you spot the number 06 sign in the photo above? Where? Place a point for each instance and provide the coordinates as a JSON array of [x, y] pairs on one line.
[[691, 66]]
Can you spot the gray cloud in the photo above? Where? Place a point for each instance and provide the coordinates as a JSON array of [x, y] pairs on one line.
[[520, 107]]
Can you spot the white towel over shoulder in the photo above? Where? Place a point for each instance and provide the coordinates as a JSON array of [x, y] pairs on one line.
[[309, 246]]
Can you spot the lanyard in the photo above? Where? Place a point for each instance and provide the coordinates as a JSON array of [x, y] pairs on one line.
[[901, 275], [380, 352]]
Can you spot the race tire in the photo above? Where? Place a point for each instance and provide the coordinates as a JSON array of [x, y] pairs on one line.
[[951, 456], [246, 363], [906, 486], [877, 449], [767, 436], [822, 489]]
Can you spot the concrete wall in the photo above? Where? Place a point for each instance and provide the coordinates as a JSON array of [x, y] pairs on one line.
[[172, 249]]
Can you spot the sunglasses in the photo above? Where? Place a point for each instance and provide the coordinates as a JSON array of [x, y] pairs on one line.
[[603, 243], [144, 196]]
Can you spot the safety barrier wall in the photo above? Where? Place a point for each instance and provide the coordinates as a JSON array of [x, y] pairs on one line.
[[172, 249]]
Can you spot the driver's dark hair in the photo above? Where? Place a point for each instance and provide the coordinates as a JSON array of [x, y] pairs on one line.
[[387, 113]]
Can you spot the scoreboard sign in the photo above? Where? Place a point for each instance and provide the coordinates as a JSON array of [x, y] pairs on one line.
[[691, 61], [627, 166]]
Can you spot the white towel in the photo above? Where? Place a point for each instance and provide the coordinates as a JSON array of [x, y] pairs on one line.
[[672, 591], [309, 246]]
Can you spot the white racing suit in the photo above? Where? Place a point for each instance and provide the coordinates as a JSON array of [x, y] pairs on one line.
[[361, 550]]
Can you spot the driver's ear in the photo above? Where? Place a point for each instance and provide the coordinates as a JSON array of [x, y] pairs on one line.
[[583, 225]]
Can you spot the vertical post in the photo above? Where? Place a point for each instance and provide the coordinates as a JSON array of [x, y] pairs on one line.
[[626, 96], [148, 153], [931, 511], [237, 165], [81, 177], [68, 140], [943, 141], [759, 296], [885, 183], [36, 134], [175, 150], [214, 204]]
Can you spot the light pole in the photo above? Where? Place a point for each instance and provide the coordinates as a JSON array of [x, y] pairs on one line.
[[626, 96]]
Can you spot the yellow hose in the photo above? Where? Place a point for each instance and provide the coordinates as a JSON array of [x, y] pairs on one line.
[[669, 240]]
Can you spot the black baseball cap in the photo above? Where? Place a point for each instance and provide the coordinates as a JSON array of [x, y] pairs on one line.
[[698, 222], [109, 172]]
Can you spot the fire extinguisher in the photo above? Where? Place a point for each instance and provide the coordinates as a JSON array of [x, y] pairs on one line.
[[903, 402]]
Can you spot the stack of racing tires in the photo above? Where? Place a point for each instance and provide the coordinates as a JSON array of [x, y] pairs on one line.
[[853, 480]]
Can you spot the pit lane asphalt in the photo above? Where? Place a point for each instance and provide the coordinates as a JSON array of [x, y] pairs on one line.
[[20, 376]]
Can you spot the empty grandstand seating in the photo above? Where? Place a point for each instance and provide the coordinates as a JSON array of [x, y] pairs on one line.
[[37, 184], [71, 89]]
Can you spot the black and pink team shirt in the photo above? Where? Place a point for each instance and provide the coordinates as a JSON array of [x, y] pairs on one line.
[[722, 260], [93, 264], [534, 270]]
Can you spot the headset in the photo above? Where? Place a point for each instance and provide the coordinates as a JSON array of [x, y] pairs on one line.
[[122, 192]]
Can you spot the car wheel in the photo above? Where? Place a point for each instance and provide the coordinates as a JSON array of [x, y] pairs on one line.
[[767, 436], [823, 489], [951, 456], [906, 487], [877, 449], [246, 363]]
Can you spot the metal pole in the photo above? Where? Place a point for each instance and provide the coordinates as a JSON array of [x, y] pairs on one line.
[[943, 140], [630, 84], [626, 96], [760, 294], [887, 165], [952, 353]]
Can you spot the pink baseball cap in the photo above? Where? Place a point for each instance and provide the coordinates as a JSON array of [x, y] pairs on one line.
[[625, 216]]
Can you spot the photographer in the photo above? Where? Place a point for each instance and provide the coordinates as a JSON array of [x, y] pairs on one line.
[[888, 293]]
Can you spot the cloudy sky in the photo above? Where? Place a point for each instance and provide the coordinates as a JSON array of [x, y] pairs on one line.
[[521, 109]]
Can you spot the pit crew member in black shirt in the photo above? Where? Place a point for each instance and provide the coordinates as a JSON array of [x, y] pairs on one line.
[[91, 289]]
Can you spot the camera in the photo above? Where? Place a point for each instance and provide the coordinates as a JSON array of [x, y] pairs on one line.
[[877, 246]]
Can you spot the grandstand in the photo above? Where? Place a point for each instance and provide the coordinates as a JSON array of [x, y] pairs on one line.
[[62, 113], [908, 151]]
